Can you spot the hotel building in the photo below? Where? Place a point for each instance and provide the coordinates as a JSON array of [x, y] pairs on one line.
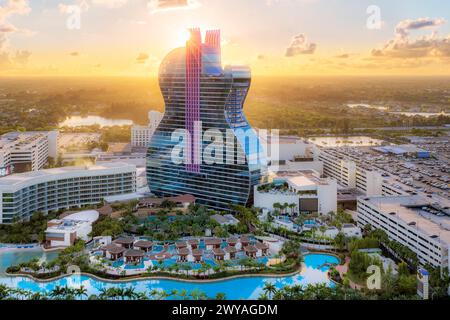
[[26, 151], [141, 135], [196, 90], [416, 222], [23, 194]]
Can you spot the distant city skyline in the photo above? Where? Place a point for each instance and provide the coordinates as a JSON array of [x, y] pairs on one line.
[[273, 37]]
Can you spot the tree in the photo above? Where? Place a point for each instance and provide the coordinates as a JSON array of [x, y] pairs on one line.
[[291, 249], [269, 289], [220, 296], [292, 206], [340, 241]]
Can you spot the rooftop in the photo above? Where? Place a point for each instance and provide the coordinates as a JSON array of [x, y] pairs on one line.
[[430, 217], [17, 179], [20, 139]]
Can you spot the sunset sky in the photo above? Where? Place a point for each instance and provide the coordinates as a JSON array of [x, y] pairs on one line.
[[274, 37]]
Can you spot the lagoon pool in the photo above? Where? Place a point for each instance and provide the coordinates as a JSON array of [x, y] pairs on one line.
[[11, 257], [314, 271]]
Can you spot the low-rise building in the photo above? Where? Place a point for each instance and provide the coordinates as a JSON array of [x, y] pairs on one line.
[[63, 232], [225, 220], [304, 190]]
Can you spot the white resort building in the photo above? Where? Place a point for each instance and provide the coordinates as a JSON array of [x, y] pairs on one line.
[[23, 194], [63, 232], [141, 135], [305, 189]]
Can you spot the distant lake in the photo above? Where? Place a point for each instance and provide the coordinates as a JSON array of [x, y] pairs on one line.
[[345, 141], [422, 114], [76, 121], [369, 106], [408, 114]]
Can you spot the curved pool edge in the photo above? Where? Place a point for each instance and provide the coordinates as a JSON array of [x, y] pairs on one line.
[[146, 278], [198, 281]]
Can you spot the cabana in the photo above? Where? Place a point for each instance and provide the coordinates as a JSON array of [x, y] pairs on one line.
[[125, 242], [112, 251], [197, 254], [193, 243], [134, 256], [262, 248], [219, 254], [182, 254], [232, 241], [212, 243], [180, 244], [230, 252], [244, 241], [143, 245], [250, 251]]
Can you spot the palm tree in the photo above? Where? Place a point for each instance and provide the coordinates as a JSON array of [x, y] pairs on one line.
[[57, 292], [103, 294], [4, 291], [183, 294], [292, 206], [269, 289], [339, 241], [81, 292], [141, 296], [153, 293], [196, 294], [220, 296], [263, 296], [173, 293], [285, 206], [38, 296], [130, 293], [277, 206]]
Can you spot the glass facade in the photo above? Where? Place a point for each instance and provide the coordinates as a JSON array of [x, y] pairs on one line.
[[218, 106]]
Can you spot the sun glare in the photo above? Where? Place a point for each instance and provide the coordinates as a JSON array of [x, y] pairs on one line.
[[183, 37]]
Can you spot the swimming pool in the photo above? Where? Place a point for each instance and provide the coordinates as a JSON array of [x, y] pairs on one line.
[[239, 288], [16, 256]]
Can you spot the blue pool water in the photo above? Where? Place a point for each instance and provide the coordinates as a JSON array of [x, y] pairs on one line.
[[14, 257], [240, 288], [310, 223]]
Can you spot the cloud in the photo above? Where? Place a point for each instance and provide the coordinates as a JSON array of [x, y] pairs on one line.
[[10, 8], [84, 5], [7, 10], [74, 54], [14, 7], [142, 57], [112, 4], [169, 5], [404, 46], [21, 57], [403, 27], [300, 45]]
